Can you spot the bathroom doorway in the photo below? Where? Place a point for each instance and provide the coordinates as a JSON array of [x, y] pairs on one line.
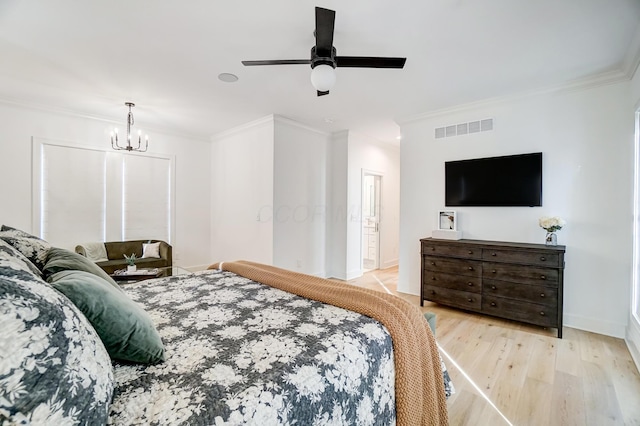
[[371, 183]]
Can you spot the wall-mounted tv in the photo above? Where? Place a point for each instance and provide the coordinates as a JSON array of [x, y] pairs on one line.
[[512, 180]]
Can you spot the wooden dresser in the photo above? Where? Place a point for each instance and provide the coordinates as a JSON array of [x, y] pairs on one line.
[[517, 281]]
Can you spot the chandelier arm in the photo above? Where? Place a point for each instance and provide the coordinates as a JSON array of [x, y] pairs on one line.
[[116, 146]]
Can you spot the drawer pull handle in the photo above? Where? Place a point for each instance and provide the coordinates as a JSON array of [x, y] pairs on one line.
[[470, 299], [542, 313], [470, 268], [470, 284], [542, 258], [493, 303], [493, 271], [470, 252], [433, 292], [433, 263], [433, 278], [433, 248], [493, 287], [493, 254], [541, 294], [543, 277]]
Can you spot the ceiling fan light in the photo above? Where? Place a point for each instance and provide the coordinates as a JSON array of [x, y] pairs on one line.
[[323, 77]]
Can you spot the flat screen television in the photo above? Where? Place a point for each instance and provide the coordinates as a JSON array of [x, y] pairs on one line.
[[512, 180]]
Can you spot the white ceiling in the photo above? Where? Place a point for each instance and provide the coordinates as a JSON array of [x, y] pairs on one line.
[[89, 57]]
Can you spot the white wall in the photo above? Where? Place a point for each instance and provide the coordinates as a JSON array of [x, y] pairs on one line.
[[632, 336], [337, 206], [242, 193], [365, 153], [586, 137], [299, 197], [304, 185], [18, 124]]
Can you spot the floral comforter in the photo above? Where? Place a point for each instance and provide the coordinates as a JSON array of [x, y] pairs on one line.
[[240, 352]]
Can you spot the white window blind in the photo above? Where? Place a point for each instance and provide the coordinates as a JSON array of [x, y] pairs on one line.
[[72, 195], [635, 291], [83, 195], [146, 198]]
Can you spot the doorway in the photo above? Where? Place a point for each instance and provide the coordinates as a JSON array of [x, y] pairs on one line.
[[371, 183]]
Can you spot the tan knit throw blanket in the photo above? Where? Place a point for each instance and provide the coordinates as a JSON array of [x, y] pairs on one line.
[[419, 386]]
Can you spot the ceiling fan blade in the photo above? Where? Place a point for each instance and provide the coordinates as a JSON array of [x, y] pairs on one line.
[[369, 62], [325, 20], [277, 62], [322, 93]]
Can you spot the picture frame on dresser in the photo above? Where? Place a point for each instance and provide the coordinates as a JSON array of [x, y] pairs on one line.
[[447, 220]]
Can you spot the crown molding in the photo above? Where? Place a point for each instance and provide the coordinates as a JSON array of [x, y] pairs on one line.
[[243, 127], [373, 141], [76, 114], [271, 118], [52, 109], [597, 80], [632, 58], [292, 123]]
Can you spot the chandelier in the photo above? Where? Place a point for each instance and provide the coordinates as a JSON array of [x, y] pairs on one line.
[[129, 147]]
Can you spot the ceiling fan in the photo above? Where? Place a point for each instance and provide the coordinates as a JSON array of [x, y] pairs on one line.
[[324, 59]]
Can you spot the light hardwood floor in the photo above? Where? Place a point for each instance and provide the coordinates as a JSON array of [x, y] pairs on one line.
[[507, 372]]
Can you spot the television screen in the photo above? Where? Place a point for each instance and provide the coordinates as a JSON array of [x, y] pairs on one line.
[[513, 180]]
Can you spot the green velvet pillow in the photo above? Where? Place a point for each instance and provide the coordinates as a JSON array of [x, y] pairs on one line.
[[125, 329], [59, 259]]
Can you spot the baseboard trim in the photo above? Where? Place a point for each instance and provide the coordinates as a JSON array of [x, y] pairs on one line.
[[195, 268], [353, 274], [632, 339], [389, 264], [336, 276], [595, 325]]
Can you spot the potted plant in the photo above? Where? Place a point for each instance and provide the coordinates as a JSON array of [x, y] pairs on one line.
[[131, 262]]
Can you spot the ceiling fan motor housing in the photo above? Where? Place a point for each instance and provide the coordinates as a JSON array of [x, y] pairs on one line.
[[316, 59]]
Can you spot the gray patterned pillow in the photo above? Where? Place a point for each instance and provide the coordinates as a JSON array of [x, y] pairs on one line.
[[31, 246], [10, 257], [53, 367]]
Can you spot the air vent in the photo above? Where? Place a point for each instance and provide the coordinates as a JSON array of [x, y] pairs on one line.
[[464, 128]]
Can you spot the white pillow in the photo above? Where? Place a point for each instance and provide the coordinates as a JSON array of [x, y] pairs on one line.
[[96, 252], [151, 250]]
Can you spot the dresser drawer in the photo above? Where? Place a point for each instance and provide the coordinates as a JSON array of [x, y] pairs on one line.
[[524, 257], [452, 281], [520, 311], [436, 249], [449, 297], [520, 274], [526, 293], [472, 268]]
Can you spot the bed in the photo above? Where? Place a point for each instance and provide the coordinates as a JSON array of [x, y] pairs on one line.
[[242, 343]]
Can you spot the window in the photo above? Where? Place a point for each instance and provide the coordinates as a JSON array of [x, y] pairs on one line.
[[146, 197], [82, 194], [635, 299]]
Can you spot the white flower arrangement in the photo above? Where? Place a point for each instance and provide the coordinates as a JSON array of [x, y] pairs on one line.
[[551, 224]]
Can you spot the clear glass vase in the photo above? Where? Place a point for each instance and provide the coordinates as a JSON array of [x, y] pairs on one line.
[[551, 239]]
